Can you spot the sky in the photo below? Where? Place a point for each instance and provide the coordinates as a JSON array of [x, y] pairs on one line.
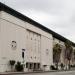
[[57, 15]]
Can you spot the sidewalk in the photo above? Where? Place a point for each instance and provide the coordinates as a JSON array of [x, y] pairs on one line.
[[10, 73]]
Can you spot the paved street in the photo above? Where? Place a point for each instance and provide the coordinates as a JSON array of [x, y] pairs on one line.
[[52, 73]]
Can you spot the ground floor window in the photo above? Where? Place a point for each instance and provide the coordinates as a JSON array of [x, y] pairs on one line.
[[31, 65], [26, 65], [38, 65]]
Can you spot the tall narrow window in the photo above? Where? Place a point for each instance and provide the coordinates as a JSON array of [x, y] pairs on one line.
[[23, 50], [27, 65], [22, 54]]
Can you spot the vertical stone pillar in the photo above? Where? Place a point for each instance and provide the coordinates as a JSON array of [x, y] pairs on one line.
[[36, 65], [28, 66]]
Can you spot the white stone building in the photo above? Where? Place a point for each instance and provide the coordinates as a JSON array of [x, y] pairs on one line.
[[20, 34]]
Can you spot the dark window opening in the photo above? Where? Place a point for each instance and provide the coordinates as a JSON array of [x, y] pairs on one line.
[[22, 54], [26, 65], [38, 65], [34, 65]]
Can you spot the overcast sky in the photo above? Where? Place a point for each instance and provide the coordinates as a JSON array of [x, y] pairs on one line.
[[57, 15]]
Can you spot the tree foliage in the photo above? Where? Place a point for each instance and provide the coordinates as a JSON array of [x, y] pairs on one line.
[[56, 53], [68, 51], [12, 62]]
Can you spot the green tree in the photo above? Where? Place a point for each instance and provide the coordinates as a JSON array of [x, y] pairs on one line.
[[56, 54], [68, 51]]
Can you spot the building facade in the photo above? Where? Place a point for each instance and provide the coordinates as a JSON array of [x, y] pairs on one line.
[[24, 40]]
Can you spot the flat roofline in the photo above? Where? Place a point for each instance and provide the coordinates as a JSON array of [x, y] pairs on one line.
[[17, 14]]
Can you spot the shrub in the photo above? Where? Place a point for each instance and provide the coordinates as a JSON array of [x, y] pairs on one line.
[[52, 67], [12, 62], [62, 66], [73, 66], [19, 66]]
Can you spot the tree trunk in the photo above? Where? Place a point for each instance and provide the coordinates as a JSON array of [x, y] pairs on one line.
[[57, 65], [69, 64]]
